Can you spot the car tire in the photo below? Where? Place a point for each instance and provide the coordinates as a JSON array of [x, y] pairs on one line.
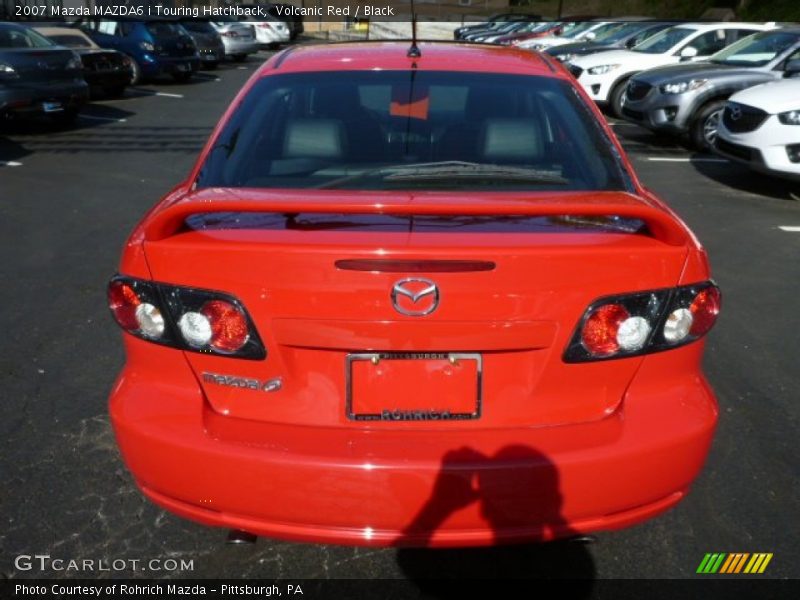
[[615, 98], [136, 71], [210, 66], [239, 57], [182, 77], [703, 130], [115, 91]]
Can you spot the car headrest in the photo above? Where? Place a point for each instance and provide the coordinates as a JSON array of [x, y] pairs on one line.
[[511, 140], [314, 138]]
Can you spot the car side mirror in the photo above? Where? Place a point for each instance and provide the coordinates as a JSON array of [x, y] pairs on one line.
[[688, 53], [590, 36], [792, 68]]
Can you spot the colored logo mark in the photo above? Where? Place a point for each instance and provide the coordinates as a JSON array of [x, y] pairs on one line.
[[735, 562]]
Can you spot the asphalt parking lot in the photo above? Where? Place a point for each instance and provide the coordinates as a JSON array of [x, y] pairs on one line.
[[69, 198]]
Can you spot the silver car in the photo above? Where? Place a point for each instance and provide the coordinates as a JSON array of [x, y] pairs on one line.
[[238, 38], [689, 98]]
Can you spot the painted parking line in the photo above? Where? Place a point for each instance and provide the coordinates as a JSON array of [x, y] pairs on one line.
[[10, 163], [685, 159], [790, 228], [145, 92], [110, 119]]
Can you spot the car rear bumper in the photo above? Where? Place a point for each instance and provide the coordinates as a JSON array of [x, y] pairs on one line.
[[234, 47], [416, 485], [211, 54], [30, 98], [163, 65]]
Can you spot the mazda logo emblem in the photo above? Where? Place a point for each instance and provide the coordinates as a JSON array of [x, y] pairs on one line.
[[415, 296], [736, 113]]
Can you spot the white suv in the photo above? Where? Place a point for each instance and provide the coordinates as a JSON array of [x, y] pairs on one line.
[[761, 126], [605, 74]]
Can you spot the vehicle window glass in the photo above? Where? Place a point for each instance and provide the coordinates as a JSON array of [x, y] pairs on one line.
[[618, 32], [107, 27], [70, 41], [198, 26], [793, 56], [576, 29], [757, 50], [709, 43], [604, 31], [163, 29], [19, 37], [664, 41], [412, 130]]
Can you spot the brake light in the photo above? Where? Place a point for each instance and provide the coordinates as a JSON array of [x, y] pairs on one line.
[[229, 329], [704, 309], [123, 301], [644, 322], [599, 334], [186, 318]]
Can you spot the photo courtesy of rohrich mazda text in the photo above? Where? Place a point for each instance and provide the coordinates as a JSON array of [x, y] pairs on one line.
[[433, 294], [342, 299]]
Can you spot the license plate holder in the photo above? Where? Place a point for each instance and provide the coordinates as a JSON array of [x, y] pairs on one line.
[[413, 386]]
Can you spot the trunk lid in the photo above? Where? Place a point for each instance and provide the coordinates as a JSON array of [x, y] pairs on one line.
[[316, 272], [41, 64]]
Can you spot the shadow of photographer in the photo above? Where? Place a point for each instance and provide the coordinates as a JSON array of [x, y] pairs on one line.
[[517, 491]]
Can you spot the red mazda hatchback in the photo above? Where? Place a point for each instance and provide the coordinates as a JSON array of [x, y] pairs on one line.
[[413, 298]]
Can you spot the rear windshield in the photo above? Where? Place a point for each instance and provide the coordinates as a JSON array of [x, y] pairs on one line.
[[163, 29], [71, 41], [12, 36], [198, 26], [413, 130]]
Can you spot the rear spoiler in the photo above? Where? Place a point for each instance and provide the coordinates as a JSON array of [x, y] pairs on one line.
[[170, 220]]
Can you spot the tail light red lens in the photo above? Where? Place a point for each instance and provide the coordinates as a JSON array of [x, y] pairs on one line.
[[599, 334], [186, 318], [123, 301], [704, 308], [229, 330], [644, 322]]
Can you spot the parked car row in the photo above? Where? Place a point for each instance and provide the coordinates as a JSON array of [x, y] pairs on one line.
[[54, 70], [694, 80]]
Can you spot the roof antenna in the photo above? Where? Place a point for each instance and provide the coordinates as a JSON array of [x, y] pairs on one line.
[[413, 51]]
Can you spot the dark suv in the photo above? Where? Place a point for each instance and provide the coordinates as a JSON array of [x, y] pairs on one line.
[[156, 47]]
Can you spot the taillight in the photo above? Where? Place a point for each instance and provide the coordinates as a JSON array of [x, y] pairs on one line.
[[644, 322], [187, 318], [704, 309], [123, 301], [229, 330]]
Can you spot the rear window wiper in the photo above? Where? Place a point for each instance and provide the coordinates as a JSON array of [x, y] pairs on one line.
[[449, 170]]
